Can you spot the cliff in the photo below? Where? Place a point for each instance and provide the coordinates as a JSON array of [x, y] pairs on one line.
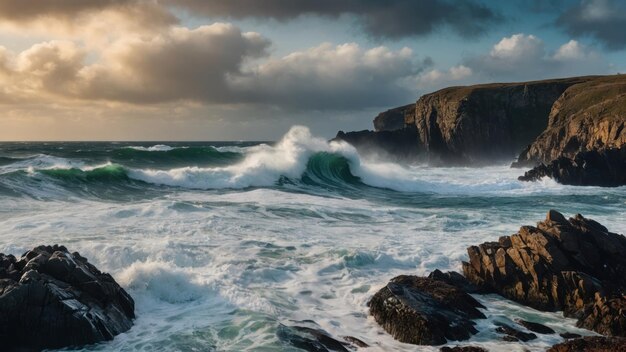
[[587, 116], [473, 124], [393, 119], [544, 120]]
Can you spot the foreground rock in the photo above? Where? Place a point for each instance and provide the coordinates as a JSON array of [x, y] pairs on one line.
[[606, 167], [425, 311], [463, 349], [51, 298], [574, 265], [592, 344], [308, 336]]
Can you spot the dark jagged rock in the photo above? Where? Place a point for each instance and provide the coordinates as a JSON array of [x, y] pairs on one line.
[[392, 145], [512, 334], [462, 349], [569, 335], [591, 344], [310, 338], [536, 327], [606, 316], [574, 265], [354, 341], [425, 311], [51, 298], [393, 119], [606, 167], [455, 279]]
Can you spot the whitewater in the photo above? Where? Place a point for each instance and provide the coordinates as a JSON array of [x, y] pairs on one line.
[[220, 243]]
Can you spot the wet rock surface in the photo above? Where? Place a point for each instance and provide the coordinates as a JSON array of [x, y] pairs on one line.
[[606, 167], [536, 327], [462, 349], [51, 298], [425, 311], [512, 334], [569, 335], [591, 344], [308, 336], [575, 265]]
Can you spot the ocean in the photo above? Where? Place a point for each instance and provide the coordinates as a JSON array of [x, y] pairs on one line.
[[222, 243]]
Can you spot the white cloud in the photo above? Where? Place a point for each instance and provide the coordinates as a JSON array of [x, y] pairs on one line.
[[453, 75], [524, 57], [574, 51], [517, 47], [329, 76]]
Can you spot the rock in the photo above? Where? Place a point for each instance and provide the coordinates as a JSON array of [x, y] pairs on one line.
[[399, 145], [462, 349], [574, 265], [513, 334], [606, 316], [393, 119], [51, 298], [536, 327], [354, 341], [455, 279], [606, 167], [569, 335], [309, 338], [592, 344], [587, 116], [424, 311]]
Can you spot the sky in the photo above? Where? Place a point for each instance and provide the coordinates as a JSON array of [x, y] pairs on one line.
[[250, 69]]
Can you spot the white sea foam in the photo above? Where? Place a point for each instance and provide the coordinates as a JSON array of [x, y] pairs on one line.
[[154, 148], [41, 161], [222, 268], [164, 281], [262, 166]]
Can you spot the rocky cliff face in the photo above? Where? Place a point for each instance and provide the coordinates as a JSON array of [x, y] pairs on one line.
[[481, 123], [587, 116], [485, 122], [393, 119]]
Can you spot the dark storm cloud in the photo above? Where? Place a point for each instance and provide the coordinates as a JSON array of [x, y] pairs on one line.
[[604, 20], [143, 13], [384, 19]]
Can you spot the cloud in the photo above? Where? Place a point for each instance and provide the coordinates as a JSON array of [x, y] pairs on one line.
[[86, 16], [333, 77], [603, 20], [390, 19], [574, 51], [438, 78], [212, 65], [180, 64], [524, 57]]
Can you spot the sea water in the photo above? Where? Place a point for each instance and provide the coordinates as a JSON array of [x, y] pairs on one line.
[[220, 243]]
